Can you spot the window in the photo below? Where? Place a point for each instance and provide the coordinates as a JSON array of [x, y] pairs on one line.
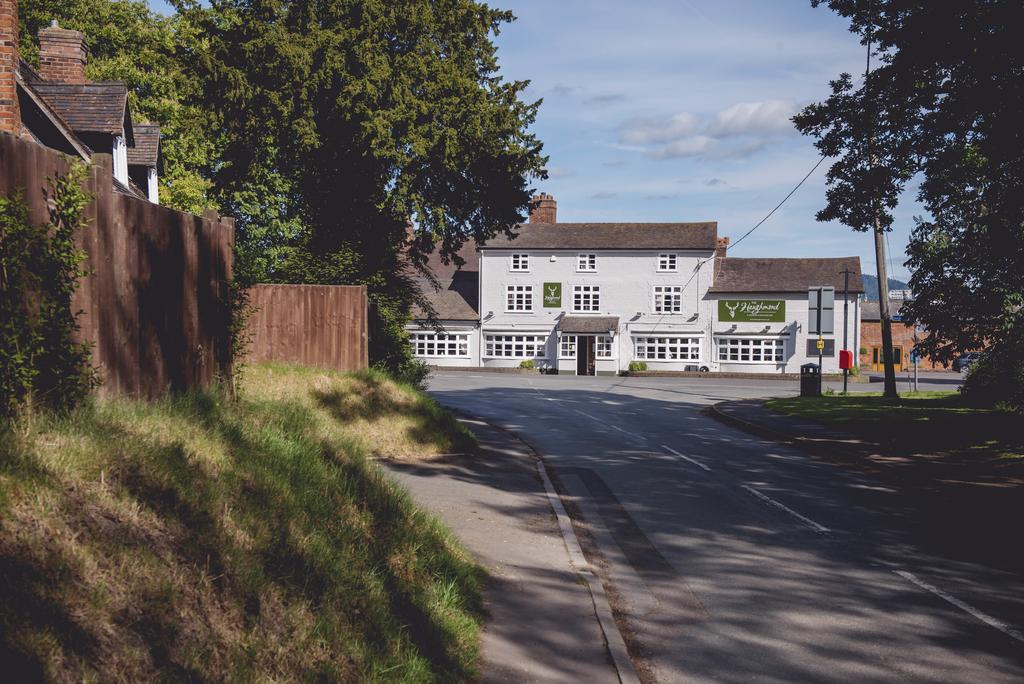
[[519, 298], [439, 344], [520, 262], [751, 350], [586, 298], [667, 262], [667, 348], [514, 346], [603, 347], [586, 263], [668, 299], [567, 347]]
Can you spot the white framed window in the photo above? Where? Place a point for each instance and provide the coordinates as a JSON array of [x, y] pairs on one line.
[[439, 344], [514, 346], [586, 298], [667, 262], [666, 348], [603, 347], [751, 349], [586, 263], [519, 298], [668, 299], [520, 263], [567, 347]]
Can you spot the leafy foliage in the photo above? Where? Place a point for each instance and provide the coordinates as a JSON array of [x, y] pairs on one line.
[[997, 378], [131, 43], [381, 112], [40, 361], [943, 105]]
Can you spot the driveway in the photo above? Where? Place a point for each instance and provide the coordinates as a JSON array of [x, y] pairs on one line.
[[731, 558]]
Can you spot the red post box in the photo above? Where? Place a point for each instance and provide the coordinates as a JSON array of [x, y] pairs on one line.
[[845, 359]]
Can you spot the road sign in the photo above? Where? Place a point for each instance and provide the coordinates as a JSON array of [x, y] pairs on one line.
[[821, 310], [821, 344]]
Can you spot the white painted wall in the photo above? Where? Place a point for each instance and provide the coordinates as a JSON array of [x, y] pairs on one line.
[[626, 278], [793, 331], [153, 190], [120, 154]]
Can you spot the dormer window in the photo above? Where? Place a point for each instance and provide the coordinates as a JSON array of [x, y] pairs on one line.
[[520, 262], [586, 263], [667, 263]]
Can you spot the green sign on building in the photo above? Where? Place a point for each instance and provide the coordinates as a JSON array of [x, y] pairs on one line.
[[552, 295], [751, 310]]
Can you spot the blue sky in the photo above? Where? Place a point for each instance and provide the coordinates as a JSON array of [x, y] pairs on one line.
[[677, 110]]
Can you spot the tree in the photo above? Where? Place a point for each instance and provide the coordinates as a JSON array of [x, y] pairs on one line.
[[944, 106], [341, 120], [129, 42]]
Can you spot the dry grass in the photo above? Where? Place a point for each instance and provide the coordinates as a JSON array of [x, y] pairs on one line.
[[201, 539]]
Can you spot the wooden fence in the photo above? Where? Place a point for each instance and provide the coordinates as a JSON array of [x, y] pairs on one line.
[[312, 325], [154, 307]]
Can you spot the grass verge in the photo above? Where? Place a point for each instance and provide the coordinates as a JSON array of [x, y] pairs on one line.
[[196, 538], [918, 422]]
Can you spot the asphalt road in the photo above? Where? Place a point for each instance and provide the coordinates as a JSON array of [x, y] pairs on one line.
[[733, 558]]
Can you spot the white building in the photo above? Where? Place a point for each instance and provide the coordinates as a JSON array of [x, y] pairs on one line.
[[591, 298]]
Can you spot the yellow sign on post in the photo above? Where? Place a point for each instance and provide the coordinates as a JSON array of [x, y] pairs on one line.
[[821, 344]]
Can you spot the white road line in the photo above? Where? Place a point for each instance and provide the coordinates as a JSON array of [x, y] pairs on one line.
[[970, 610], [821, 529], [613, 427], [687, 458]]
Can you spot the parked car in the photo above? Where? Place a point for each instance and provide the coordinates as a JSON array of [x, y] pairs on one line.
[[965, 361]]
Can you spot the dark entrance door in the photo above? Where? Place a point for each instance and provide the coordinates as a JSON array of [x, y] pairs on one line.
[[584, 354]]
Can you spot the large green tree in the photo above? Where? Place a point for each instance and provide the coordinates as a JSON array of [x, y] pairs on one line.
[[943, 105], [338, 121], [131, 43]]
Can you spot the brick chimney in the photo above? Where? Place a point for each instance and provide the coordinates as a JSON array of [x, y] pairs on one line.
[[10, 111], [721, 247], [62, 54], [543, 209]]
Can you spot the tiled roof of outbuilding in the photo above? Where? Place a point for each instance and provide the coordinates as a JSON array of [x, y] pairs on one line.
[[784, 275], [869, 311], [610, 236], [588, 324], [146, 150], [455, 301], [88, 107]]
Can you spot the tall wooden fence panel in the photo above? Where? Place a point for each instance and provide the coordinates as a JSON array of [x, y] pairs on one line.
[[312, 325], [154, 307]]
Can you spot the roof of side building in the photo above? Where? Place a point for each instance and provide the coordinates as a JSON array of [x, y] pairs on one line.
[[785, 275], [596, 236], [146, 150], [88, 107]]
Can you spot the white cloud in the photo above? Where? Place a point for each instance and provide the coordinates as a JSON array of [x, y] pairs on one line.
[[559, 172], [651, 131], [769, 117], [692, 146]]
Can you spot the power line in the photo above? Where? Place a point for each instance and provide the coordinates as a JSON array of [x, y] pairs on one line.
[[769, 215]]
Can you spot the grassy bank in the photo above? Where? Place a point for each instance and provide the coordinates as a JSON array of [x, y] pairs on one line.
[[198, 538], [936, 423]]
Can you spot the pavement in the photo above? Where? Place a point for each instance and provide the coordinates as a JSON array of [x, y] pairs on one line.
[[726, 556], [542, 625]]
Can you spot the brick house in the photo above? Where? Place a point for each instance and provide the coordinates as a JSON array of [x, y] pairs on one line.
[[58, 107], [902, 339]]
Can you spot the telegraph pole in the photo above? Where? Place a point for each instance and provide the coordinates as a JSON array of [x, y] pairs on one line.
[[883, 275]]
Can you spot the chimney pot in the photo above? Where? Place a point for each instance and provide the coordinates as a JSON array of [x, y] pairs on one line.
[[62, 55], [543, 209], [722, 247]]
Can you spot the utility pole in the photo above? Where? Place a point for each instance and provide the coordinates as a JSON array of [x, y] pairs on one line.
[[883, 275], [846, 320]]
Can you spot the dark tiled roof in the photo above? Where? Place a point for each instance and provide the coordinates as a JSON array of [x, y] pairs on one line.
[[588, 324], [610, 236], [146, 150], [468, 254], [869, 311], [784, 275], [455, 301], [88, 107]]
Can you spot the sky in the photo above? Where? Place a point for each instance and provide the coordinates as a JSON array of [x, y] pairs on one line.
[[678, 110]]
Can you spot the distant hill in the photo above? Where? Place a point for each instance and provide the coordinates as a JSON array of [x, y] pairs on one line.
[[871, 286]]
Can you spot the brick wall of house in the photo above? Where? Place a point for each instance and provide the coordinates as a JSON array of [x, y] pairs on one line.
[[902, 336], [10, 113]]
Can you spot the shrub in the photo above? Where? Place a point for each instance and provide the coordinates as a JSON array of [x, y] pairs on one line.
[[637, 366], [997, 378], [528, 364]]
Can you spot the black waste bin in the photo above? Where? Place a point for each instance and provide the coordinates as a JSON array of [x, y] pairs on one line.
[[810, 380]]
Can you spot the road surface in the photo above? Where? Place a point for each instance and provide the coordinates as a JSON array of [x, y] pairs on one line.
[[732, 558]]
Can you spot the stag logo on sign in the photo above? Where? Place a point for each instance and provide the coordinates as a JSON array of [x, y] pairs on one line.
[[552, 295], [752, 310]]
